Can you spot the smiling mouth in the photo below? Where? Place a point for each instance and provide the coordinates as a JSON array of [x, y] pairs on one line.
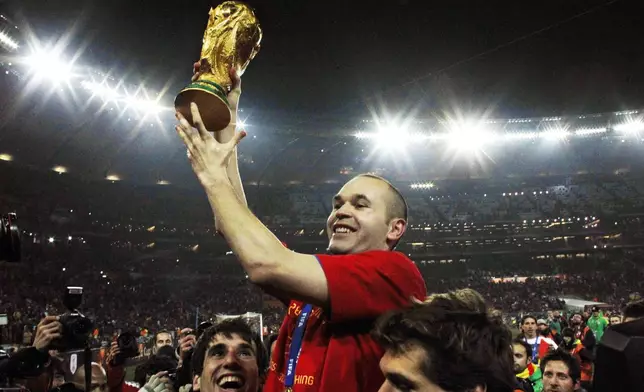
[[231, 382], [342, 229]]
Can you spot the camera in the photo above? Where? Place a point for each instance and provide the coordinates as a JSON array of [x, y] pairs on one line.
[[76, 327], [128, 347], [9, 238]]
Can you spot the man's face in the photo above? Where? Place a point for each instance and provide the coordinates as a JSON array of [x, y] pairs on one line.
[[404, 371], [520, 358], [358, 221], [550, 314], [556, 378], [615, 320], [576, 319], [163, 339], [529, 327], [595, 314], [230, 364], [556, 314]]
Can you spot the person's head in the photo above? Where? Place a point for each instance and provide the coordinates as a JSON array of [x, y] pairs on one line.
[[550, 314], [163, 361], [368, 214], [576, 319], [556, 314], [633, 310], [615, 319], [568, 336], [445, 344], [529, 326], [162, 338], [522, 352], [561, 372], [595, 311], [98, 381], [229, 355], [543, 327]]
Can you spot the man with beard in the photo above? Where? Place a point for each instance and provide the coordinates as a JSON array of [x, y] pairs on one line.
[[527, 373], [582, 332], [540, 345], [544, 330], [229, 356], [332, 299], [560, 372]]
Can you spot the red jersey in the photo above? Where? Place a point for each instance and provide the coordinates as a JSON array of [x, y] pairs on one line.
[[337, 352]]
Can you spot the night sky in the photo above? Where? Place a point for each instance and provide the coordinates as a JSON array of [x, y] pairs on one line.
[[335, 58]]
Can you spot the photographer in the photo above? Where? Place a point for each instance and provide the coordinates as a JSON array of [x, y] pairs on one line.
[[33, 364]]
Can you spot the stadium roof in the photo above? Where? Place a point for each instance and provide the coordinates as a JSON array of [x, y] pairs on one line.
[[63, 112]]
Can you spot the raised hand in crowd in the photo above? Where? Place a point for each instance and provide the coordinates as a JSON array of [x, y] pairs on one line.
[[48, 329], [187, 342], [111, 355], [158, 383]]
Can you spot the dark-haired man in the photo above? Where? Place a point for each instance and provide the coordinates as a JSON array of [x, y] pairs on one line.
[[333, 299], [561, 372], [540, 344], [449, 343], [528, 374], [229, 356]]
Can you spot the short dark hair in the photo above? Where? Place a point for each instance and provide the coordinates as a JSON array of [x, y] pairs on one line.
[[228, 328], [154, 365], [465, 346], [528, 348], [397, 206], [634, 309], [528, 316], [574, 367]]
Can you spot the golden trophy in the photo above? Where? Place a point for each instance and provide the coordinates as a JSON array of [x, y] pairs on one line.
[[231, 39]]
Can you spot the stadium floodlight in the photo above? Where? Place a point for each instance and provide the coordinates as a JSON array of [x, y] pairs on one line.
[[113, 177], [468, 135], [8, 41], [590, 131], [163, 182], [555, 134], [101, 90], [59, 169], [634, 126], [146, 106], [49, 65], [6, 157]]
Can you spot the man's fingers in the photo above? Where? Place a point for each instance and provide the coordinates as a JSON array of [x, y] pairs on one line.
[[237, 138], [196, 119], [48, 320]]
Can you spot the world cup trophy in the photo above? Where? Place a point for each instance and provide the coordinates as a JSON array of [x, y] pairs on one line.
[[231, 40]]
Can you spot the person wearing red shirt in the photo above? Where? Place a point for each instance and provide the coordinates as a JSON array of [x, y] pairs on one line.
[[334, 299]]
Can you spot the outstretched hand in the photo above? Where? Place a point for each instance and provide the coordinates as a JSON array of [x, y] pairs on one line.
[[209, 157]]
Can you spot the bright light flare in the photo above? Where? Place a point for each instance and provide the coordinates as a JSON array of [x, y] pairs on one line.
[[101, 90], [630, 127], [6, 157], [8, 41], [113, 177], [555, 134], [468, 135], [50, 65], [59, 169]]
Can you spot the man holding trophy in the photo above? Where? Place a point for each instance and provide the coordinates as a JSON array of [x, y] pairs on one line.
[[333, 299]]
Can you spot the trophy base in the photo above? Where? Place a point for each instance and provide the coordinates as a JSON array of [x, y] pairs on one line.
[[211, 100]]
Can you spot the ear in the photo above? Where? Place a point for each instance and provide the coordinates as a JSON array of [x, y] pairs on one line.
[[397, 228], [196, 381]]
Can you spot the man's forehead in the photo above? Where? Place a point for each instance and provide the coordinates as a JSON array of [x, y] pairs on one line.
[[230, 340], [164, 336], [367, 186], [557, 367], [519, 348]]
